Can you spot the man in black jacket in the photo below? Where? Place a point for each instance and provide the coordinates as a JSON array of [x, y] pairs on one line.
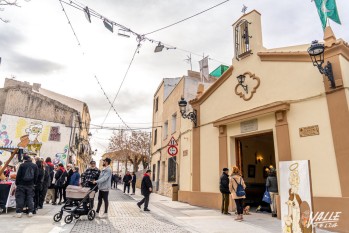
[[27, 176], [146, 189], [224, 188], [69, 174], [134, 180], [127, 182], [45, 185]]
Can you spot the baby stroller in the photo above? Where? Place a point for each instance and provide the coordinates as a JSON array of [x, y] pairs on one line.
[[79, 202]]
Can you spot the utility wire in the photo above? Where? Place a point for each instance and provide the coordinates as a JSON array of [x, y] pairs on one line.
[[95, 76], [180, 21]]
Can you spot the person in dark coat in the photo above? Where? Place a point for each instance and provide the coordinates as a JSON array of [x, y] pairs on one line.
[[224, 188], [38, 185], [69, 174], [60, 180], [272, 185], [133, 182], [26, 178], [116, 180], [146, 189], [45, 185], [127, 182], [51, 188]]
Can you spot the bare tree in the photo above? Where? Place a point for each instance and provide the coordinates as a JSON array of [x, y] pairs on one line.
[[134, 147], [4, 3]]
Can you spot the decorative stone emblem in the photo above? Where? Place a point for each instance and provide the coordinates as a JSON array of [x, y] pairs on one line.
[[249, 87]]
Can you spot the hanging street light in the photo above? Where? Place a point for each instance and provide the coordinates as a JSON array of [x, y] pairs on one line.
[[87, 14], [316, 53], [108, 25], [191, 115], [159, 48]]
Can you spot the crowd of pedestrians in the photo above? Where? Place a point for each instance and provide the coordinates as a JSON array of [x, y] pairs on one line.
[[39, 181]]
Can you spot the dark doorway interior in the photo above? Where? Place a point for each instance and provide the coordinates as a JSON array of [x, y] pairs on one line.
[[255, 154]]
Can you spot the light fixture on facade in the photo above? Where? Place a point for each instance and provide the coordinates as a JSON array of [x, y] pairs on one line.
[[87, 14], [259, 158], [241, 80], [191, 115], [124, 33], [108, 25], [316, 53], [159, 48]]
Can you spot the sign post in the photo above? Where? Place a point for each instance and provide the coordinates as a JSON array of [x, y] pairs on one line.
[[172, 147]]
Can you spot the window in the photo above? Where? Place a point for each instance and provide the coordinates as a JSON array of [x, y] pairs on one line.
[[172, 169], [156, 104], [165, 129], [153, 172], [173, 123], [155, 136], [242, 39]]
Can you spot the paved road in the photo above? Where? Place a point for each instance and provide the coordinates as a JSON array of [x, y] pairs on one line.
[[126, 217]]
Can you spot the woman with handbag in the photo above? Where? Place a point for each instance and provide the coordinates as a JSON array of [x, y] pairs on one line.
[[272, 187], [237, 188]]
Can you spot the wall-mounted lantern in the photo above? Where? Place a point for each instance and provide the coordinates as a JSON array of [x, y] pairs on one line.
[[191, 115]]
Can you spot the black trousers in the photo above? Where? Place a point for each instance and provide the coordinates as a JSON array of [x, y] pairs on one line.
[[239, 205], [115, 184], [37, 196], [24, 197], [58, 191], [133, 188], [64, 193], [145, 200], [103, 195], [42, 195], [128, 187]]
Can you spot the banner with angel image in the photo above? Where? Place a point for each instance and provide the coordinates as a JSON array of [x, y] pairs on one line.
[[295, 197]]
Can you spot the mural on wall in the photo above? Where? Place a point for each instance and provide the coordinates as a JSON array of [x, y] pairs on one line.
[[4, 138], [61, 157]]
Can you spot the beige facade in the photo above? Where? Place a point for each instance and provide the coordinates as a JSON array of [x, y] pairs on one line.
[[285, 94], [168, 123]]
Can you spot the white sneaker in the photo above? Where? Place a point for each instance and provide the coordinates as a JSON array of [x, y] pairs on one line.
[[19, 215], [104, 215], [30, 214]]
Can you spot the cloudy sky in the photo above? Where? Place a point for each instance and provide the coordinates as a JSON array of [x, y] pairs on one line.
[[38, 46]]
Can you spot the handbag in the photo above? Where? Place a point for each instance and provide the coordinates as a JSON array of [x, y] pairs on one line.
[[58, 182], [266, 196]]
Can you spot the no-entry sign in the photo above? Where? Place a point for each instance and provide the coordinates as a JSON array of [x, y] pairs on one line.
[[172, 150]]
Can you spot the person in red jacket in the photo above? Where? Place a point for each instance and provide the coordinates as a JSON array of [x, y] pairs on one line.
[[146, 189]]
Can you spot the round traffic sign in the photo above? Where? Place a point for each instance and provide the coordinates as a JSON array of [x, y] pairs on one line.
[[172, 150]]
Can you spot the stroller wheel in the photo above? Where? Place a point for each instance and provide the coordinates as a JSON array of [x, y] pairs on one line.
[[68, 219], [76, 216], [91, 215], [57, 217]]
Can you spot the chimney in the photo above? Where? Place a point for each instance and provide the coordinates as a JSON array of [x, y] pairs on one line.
[[36, 86], [200, 91]]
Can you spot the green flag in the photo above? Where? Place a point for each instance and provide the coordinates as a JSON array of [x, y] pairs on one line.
[[327, 9], [332, 11], [322, 13]]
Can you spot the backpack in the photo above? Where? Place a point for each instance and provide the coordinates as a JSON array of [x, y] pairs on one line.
[[29, 174], [240, 191]]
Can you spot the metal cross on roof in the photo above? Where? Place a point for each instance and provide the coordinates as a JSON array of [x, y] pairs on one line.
[[244, 9]]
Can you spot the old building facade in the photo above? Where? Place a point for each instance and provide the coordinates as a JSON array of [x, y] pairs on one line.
[[52, 127]]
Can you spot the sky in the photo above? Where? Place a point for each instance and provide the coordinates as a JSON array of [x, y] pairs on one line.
[[38, 46]]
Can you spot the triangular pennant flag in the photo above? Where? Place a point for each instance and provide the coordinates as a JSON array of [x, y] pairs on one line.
[[332, 11]]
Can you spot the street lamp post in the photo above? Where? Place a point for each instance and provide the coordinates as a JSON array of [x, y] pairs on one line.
[[191, 115], [316, 53]]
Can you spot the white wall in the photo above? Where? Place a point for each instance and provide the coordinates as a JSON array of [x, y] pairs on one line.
[[13, 127]]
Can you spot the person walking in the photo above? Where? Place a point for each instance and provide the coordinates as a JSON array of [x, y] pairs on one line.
[[272, 185], [133, 182], [60, 177], [69, 174], [224, 188], [26, 178], [127, 182], [116, 180], [46, 183], [237, 187], [146, 189], [104, 184], [112, 180], [75, 178]]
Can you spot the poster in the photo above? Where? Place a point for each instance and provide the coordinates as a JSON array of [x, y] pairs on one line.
[[295, 197]]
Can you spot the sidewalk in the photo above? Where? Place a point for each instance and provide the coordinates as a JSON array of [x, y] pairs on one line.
[[40, 222]]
